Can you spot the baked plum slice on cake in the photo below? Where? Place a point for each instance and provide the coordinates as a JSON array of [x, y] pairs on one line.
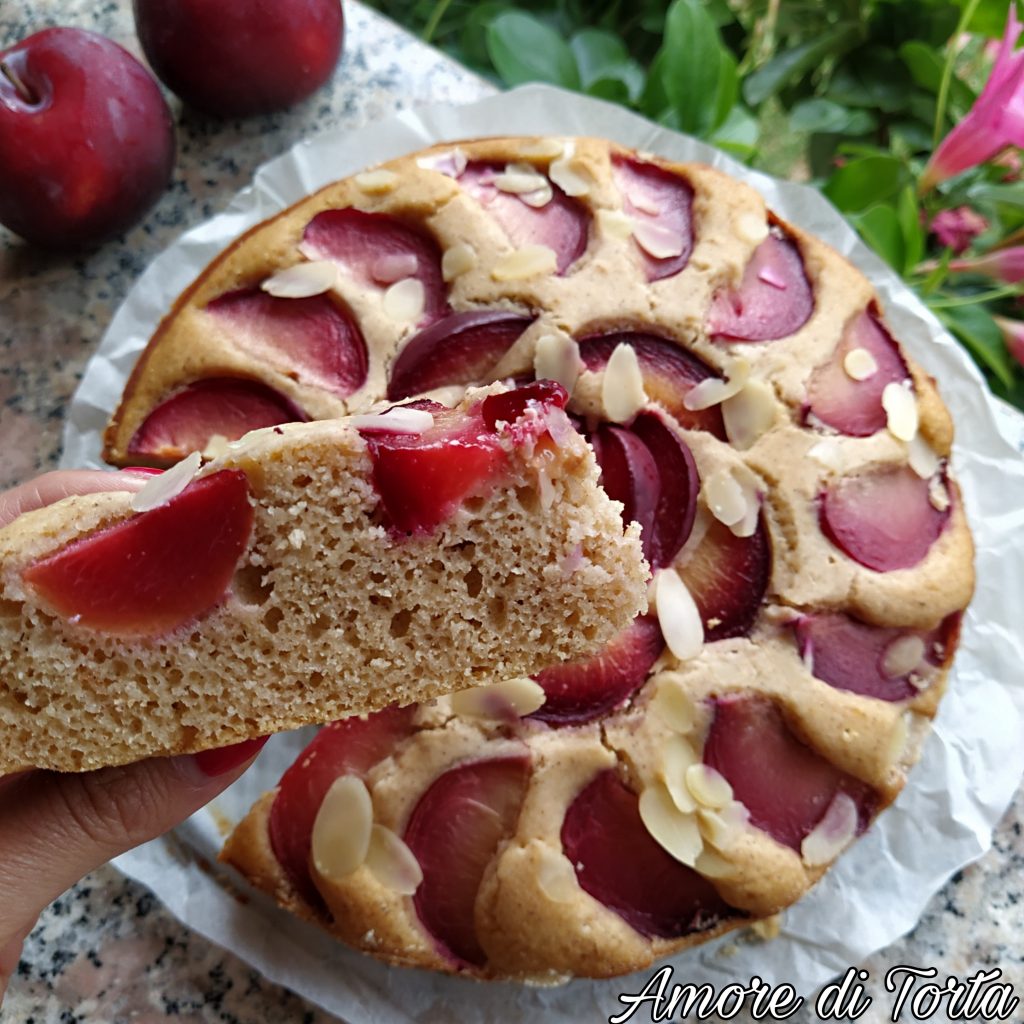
[[463, 348], [381, 253], [669, 373], [224, 407], [889, 664], [454, 833], [846, 392], [656, 894], [310, 337], [774, 299], [349, 746], [531, 209], [660, 204], [584, 690], [886, 519], [255, 594], [786, 787]]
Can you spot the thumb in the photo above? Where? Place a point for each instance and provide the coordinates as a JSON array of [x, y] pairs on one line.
[[55, 828]]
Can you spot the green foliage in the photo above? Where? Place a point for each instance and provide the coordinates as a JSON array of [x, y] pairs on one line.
[[853, 95]]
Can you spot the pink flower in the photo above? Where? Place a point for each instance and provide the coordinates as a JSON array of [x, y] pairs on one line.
[[1003, 264], [958, 228], [1013, 335], [994, 122]]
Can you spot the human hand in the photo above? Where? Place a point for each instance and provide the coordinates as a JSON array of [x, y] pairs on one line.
[[54, 827]]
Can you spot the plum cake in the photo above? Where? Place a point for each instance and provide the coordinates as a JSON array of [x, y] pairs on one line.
[[312, 571], [748, 407]]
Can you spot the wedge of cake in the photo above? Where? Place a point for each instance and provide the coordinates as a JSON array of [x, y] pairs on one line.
[[311, 571]]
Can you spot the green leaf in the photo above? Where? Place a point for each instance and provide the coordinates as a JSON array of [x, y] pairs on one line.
[[980, 334], [990, 17], [606, 68], [738, 134], [611, 89], [866, 180], [798, 61], [1010, 195], [925, 66], [698, 75], [874, 77], [524, 49], [821, 115], [595, 51], [880, 228], [908, 212]]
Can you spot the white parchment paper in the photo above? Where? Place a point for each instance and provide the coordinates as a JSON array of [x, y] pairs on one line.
[[944, 818]]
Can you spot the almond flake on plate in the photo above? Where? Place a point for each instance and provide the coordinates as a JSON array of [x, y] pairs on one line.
[[377, 182], [622, 387], [938, 494], [572, 181], [677, 757], [405, 299], [457, 260], [302, 281], [341, 831], [671, 703], [451, 162], [159, 490], [391, 861], [713, 865], [723, 828], [555, 874], [749, 413], [557, 358], [902, 656], [715, 390], [399, 420], [832, 834], [530, 261], [657, 240], [393, 266], [724, 496], [615, 223], [518, 178], [859, 364], [673, 830], [708, 786], [678, 616], [900, 406], [922, 458], [752, 227], [538, 197], [511, 698]]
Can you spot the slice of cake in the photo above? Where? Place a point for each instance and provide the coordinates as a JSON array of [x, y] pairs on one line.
[[309, 572]]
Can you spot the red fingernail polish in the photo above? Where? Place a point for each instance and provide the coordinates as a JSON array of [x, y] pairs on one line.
[[222, 760], [148, 470]]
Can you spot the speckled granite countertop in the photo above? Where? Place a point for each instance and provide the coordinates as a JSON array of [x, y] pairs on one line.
[[107, 951]]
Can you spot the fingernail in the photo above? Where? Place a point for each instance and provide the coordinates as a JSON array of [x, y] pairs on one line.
[[145, 470], [222, 760]]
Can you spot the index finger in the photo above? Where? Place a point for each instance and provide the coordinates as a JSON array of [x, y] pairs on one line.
[[51, 487]]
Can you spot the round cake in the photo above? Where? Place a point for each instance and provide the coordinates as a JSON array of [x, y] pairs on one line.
[[748, 406]]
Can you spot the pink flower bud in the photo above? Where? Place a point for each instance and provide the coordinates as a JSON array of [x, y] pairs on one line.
[[1003, 264], [957, 228], [995, 122], [1013, 335]]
